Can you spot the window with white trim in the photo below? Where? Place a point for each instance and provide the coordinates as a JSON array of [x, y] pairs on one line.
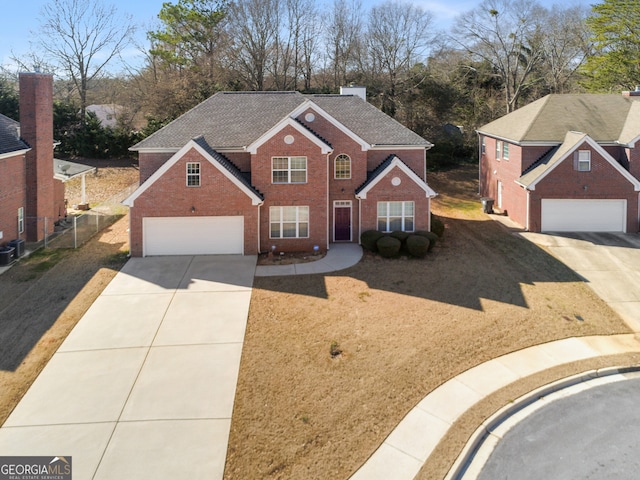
[[289, 222], [289, 170], [342, 167], [483, 145], [498, 149], [394, 216], [193, 174], [505, 151], [584, 160], [21, 220]]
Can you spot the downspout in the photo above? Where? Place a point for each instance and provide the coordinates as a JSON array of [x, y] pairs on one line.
[[259, 207], [528, 206], [328, 201], [480, 164], [360, 219]]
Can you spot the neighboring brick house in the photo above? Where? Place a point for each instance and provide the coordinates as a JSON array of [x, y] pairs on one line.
[[249, 172], [31, 199], [566, 163]]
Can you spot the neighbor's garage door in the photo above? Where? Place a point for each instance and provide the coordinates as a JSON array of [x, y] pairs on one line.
[[193, 235], [584, 215]]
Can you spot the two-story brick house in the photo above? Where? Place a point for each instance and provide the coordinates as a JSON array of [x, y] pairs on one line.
[[31, 197], [566, 163], [249, 172]]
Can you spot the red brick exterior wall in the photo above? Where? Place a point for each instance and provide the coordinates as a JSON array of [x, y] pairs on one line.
[[312, 194], [602, 182], [170, 197], [414, 159], [13, 196], [36, 128], [384, 191], [148, 163]]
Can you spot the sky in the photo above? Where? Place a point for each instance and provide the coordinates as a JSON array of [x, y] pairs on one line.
[[21, 23]]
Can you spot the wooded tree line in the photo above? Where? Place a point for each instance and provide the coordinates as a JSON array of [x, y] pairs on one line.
[[495, 58]]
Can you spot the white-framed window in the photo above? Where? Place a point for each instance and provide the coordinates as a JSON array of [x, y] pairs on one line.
[[342, 167], [498, 149], [584, 160], [505, 151], [193, 174], [394, 216], [21, 220], [483, 145], [289, 170], [289, 222]]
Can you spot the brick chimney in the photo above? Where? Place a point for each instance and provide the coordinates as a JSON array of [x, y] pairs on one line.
[[36, 128]]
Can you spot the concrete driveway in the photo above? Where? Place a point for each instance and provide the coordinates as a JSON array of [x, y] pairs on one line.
[[144, 385], [608, 262]]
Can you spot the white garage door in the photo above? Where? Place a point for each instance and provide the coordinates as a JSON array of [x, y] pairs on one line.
[[584, 215], [193, 235]]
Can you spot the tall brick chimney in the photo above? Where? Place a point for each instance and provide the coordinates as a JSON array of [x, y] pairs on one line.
[[36, 128]]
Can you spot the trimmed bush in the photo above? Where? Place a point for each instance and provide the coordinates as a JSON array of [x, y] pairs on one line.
[[402, 236], [418, 246], [437, 226], [369, 238], [388, 247], [433, 238]]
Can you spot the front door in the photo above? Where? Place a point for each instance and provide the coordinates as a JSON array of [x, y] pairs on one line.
[[342, 221]]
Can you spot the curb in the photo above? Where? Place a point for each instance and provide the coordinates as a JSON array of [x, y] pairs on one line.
[[464, 461]]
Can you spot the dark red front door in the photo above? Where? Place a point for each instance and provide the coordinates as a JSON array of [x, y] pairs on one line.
[[342, 224]]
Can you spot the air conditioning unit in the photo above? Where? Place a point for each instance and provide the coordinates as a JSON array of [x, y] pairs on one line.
[[7, 255], [18, 244]]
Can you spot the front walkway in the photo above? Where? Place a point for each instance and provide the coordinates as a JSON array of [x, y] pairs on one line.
[[338, 257]]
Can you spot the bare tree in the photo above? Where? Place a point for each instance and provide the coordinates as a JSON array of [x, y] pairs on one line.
[[254, 26], [566, 45], [82, 37], [508, 35], [343, 38], [398, 36]]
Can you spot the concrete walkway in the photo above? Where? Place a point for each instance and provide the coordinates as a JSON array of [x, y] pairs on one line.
[[144, 385], [338, 257]]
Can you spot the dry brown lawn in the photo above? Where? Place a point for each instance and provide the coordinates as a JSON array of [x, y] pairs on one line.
[[404, 327]]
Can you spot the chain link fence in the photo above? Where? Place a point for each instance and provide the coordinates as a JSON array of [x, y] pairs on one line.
[[76, 230]]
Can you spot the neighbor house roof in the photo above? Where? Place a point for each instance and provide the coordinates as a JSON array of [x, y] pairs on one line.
[[572, 141], [65, 170], [10, 140], [235, 120], [606, 118]]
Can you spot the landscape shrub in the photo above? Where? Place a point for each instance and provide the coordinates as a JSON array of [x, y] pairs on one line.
[[437, 226], [369, 238], [388, 246], [402, 236], [417, 245], [433, 238]]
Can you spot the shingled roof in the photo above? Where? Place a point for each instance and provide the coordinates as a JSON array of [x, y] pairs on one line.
[[234, 120], [607, 118], [10, 140]]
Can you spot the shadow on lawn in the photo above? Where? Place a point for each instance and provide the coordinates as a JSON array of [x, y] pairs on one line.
[[39, 296], [475, 260]]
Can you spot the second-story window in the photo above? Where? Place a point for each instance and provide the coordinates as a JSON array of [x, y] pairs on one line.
[[289, 169], [193, 174], [342, 167], [584, 161], [505, 151], [498, 149]]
